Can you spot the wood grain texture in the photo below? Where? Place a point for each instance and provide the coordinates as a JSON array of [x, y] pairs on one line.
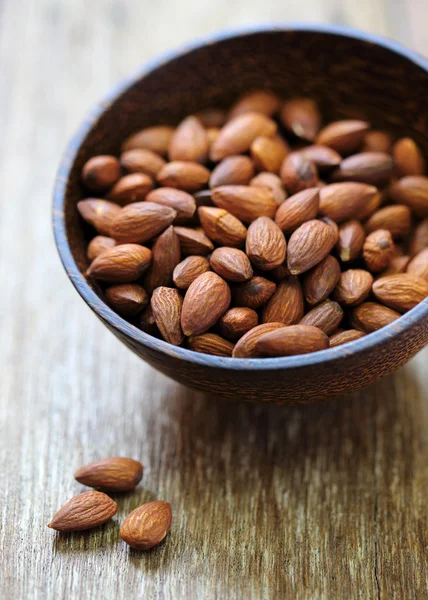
[[326, 501]]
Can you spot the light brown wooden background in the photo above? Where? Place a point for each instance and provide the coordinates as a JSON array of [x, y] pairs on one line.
[[315, 502]]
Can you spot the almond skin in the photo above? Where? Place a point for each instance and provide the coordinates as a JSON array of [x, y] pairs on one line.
[[188, 270], [246, 346], [203, 198], [378, 250], [396, 219], [322, 157], [370, 207], [143, 161], [280, 273], [205, 302], [297, 209], [193, 241], [147, 322], [375, 168], [166, 305], [246, 203], [400, 292], [286, 305], [189, 141], [155, 138], [371, 316], [408, 158], [418, 266], [222, 227], [146, 526], [327, 316], [84, 511], [265, 245], [98, 245], [114, 474], [292, 340], [272, 183], [210, 343], [211, 117], [308, 245], [253, 293], [343, 136], [127, 299], [121, 264], [101, 172], [233, 170], [141, 221], [231, 264], [183, 203], [412, 191], [343, 201], [419, 239], [343, 337], [268, 153], [131, 188], [165, 257], [236, 322], [298, 173], [351, 240], [238, 134], [259, 101], [98, 213], [377, 141], [353, 287], [320, 281], [397, 265], [301, 117], [187, 176]]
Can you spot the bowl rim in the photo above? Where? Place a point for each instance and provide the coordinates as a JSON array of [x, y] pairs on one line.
[[95, 302]]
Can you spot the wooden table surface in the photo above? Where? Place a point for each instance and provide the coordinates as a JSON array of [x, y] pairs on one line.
[[326, 501]]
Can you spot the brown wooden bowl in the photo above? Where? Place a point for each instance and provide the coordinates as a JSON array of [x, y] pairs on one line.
[[350, 74]]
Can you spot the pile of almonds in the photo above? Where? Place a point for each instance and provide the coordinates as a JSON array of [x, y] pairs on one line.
[[144, 528], [258, 232]]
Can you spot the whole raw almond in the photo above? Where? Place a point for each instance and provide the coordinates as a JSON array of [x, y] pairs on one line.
[[320, 281], [121, 264], [189, 269], [239, 133], [146, 526], [377, 141], [286, 305], [301, 116], [165, 257], [400, 292], [370, 207], [308, 245], [292, 340], [272, 183], [371, 316], [397, 265], [127, 299], [375, 168], [353, 287], [141, 221], [246, 346], [298, 173], [280, 273], [210, 343], [343, 201], [343, 136], [232, 170], [298, 209], [183, 203], [231, 264], [84, 511], [327, 316], [322, 157], [98, 213], [187, 176], [113, 474], [212, 135], [418, 266], [334, 228], [408, 158], [147, 322], [265, 245], [396, 219], [343, 337], [98, 245], [411, 190], [155, 138], [246, 203], [211, 117], [351, 240], [253, 293], [131, 188], [166, 305], [101, 172], [193, 241], [419, 239], [378, 250], [189, 141], [205, 302], [141, 160], [222, 227], [268, 153], [237, 321], [259, 101]]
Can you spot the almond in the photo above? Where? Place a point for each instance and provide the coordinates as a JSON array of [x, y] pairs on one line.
[[246, 346], [165, 257], [237, 321], [353, 287], [187, 176], [301, 116], [253, 293], [141, 221], [320, 281], [298, 209], [238, 134], [280, 273], [114, 474], [334, 228], [292, 340], [322, 157], [189, 269], [155, 138], [370, 207], [147, 322], [222, 227], [231, 264], [343, 136], [205, 302], [98, 245], [412, 191], [166, 305], [400, 292], [371, 316], [131, 188], [203, 198], [286, 304], [259, 101], [418, 266], [265, 244], [84, 511], [419, 239], [141, 160], [408, 158], [272, 183], [193, 241], [375, 168], [121, 264], [211, 117], [397, 265], [212, 135], [189, 142], [246, 203], [343, 201], [98, 213], [268, 153], [378, 250], [298, 173], [101, 172], [232, 170], [351, 240], [343, 337], [396, 219], [327, 316], [377, 141], [147, 525], [210, 343], [308, 245], [183, 203], [127, 299]]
